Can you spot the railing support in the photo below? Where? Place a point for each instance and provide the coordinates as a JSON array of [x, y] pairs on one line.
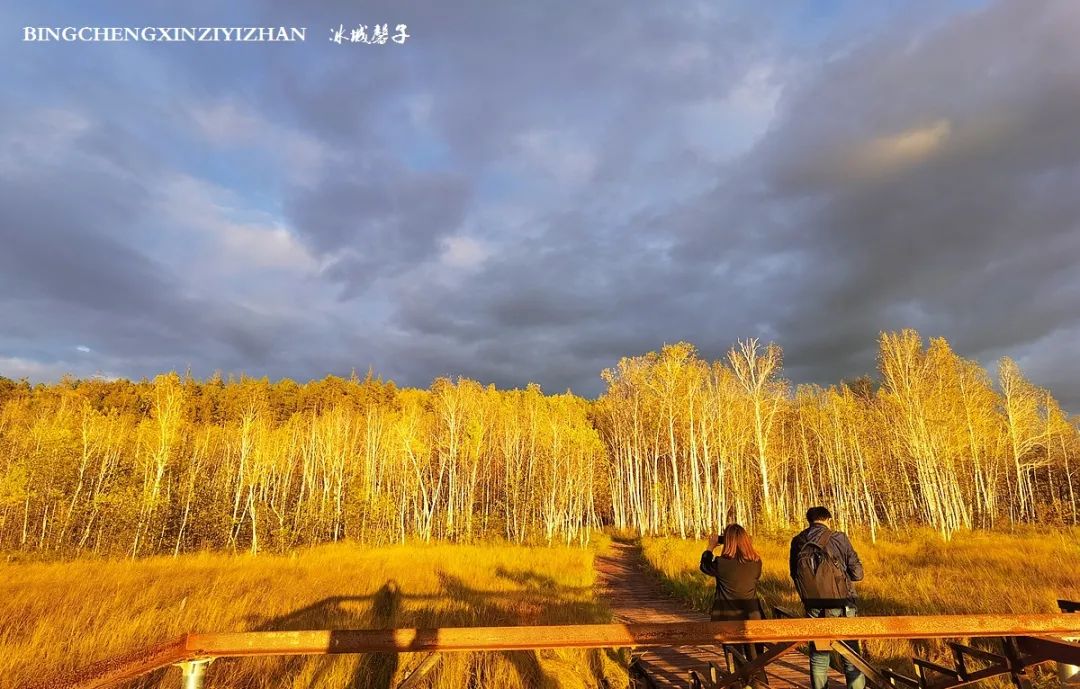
[[194, 672], [746, 670], [1017, 670], [639, 679], [871, 673], [1069, 674], [420, 671]]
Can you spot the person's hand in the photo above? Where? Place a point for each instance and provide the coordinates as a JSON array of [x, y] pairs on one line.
[[714, 540]]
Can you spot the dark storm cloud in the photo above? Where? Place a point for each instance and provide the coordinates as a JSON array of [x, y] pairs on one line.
[[376, 220], [924, 180], [561, 311], [71, 266], [48, 253], [498, 68], [528, 192], [491, 75], [943, 177]]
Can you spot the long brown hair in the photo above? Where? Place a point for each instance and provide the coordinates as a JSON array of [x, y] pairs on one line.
[[737, 545]]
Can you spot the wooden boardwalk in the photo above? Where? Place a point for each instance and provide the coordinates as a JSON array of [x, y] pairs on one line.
[[635, 596]]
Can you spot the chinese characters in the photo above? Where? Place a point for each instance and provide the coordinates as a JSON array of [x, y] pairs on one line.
[[375, 34]]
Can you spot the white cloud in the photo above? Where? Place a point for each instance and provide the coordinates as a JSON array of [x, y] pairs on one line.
[[226, 124], [15, 367], [464, 252], [40, 371], [40, 136], [83, 348], [420, 108], [887, 154], [231, 238], [558, 155], [267, 246], [688, 56], [730, 123]]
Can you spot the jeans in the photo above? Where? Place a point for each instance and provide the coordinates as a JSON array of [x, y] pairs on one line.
[[819, 660]]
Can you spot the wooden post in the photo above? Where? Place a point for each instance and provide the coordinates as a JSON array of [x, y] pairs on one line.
[[194, 672], [1069, 673]]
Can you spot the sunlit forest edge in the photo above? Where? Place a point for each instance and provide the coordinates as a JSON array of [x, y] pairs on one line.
[[676, 445]]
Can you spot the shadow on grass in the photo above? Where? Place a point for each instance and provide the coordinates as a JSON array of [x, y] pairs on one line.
[[540, 600]]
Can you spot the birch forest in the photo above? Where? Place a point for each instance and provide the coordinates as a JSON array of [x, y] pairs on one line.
[[675, 445]]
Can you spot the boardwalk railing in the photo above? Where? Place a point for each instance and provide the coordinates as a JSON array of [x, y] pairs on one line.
[[1030, 639]]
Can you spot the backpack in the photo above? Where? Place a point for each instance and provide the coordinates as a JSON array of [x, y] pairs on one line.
[[820, 577]]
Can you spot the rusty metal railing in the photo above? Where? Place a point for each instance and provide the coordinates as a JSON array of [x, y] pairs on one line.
[[1014, 655], [1033, 639]]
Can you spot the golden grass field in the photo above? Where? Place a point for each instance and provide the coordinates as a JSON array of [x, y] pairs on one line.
[[63, 615], [58, 616], [915, 573]]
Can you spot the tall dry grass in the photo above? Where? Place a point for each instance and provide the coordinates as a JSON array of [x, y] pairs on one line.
[[59, 616], [909, 573]]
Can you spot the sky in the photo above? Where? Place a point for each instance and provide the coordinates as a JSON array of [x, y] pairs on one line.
[[526, 192]]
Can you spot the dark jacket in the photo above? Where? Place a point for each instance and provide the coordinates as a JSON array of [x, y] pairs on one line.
[[838, 546], [736, 587]]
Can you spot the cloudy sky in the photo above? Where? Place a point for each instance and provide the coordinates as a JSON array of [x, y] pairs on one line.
[[527, 191]]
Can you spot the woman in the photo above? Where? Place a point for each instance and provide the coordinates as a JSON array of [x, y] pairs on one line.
[[737, 572]]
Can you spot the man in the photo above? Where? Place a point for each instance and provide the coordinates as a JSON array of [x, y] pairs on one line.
[[824, 566]]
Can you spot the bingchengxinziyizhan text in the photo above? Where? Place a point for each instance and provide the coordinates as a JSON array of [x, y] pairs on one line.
[[164, 34]]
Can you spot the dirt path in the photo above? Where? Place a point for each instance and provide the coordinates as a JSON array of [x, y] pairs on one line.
[[635, 595]]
